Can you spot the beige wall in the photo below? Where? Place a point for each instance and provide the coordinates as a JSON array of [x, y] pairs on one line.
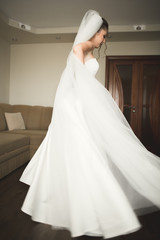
[[36, 68], [4, 70], [35, 72]]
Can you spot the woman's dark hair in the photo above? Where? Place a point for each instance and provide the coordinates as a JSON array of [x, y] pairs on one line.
[[104, 26]]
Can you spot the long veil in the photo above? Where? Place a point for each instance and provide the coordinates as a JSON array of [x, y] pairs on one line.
[[91, 173]]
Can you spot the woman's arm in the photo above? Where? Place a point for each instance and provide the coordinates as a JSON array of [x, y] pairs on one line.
[[81, 50]]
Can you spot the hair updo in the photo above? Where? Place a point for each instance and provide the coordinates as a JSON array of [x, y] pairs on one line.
[[104, 25]]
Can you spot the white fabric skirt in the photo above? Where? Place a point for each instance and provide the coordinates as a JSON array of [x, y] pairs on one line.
[[91, 175]]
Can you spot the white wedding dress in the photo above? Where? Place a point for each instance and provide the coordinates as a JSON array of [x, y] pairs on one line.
[[91, 175]]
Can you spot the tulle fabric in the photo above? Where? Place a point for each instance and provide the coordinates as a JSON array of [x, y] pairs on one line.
[[91, 175]]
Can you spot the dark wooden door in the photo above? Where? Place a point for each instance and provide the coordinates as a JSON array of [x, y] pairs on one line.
[[134, 83]]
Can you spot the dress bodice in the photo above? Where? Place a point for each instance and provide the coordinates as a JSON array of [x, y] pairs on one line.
[[92, 65]]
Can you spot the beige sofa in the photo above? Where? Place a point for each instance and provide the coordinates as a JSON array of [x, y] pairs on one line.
[[19, 145]]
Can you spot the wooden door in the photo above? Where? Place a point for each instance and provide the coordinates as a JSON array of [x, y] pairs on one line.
[[134, 83]]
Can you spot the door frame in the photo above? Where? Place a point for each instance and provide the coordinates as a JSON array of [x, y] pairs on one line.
[[143, 57], [138, 68]]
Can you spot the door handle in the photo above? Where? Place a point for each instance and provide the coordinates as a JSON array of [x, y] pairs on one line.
[[131, 107]]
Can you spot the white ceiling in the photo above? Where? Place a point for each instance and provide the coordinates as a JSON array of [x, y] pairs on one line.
[[67, 13], [62, 17]]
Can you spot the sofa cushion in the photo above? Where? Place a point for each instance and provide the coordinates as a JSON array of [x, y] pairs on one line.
[[3, 125], [36, 136], [14, 153], [10, 142], [39, 118], [35, 117], [14, 121]]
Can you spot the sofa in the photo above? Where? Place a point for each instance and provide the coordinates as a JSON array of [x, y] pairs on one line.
[[18, 145]]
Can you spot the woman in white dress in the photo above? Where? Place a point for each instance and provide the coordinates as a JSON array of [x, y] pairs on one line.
[[91, 175]]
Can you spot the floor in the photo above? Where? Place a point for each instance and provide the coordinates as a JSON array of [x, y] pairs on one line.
[[15, 225]]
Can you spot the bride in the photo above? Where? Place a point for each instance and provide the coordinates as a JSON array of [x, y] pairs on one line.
[[91, 175]]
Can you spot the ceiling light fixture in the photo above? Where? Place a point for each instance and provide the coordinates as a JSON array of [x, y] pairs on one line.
[[24, 26], [139, 27]]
